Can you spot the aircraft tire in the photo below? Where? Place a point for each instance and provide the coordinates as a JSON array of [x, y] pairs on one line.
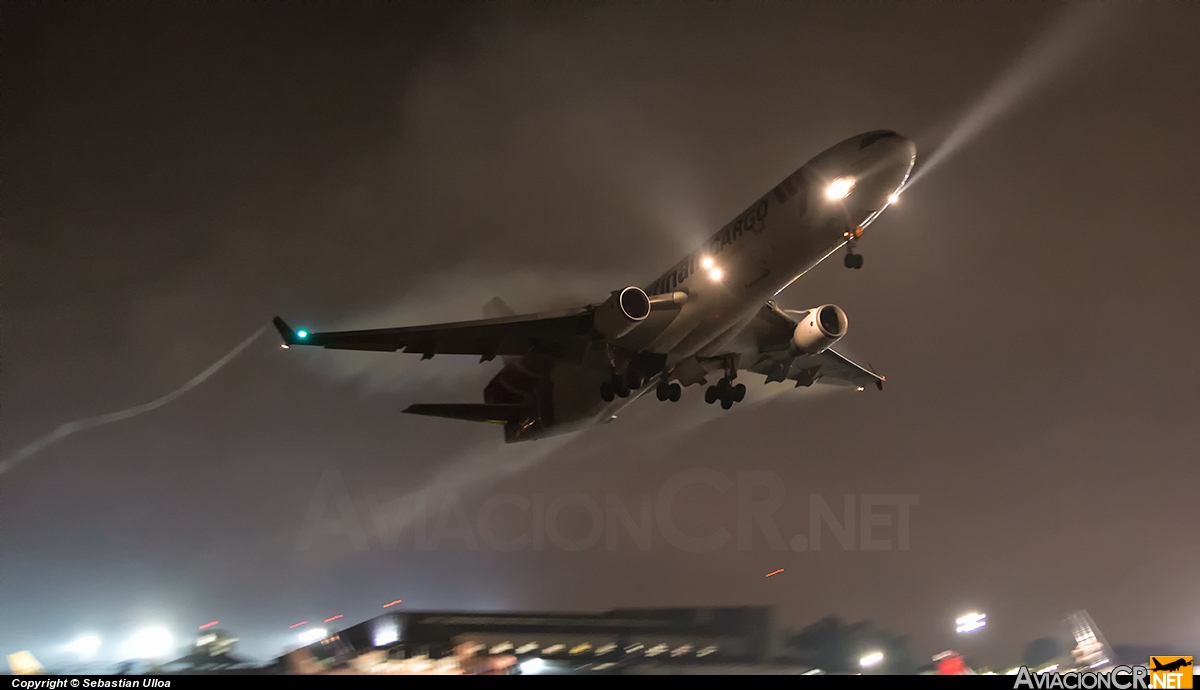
[[710, 395], [606, 392], [621, 387], [848, 261], [739, 392], [675, 392], [662, 392], [726, 402]]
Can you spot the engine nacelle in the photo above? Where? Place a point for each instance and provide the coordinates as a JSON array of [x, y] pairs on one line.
[[818, 330], [621, 313]]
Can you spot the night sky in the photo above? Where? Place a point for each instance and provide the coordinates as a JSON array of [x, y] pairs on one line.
[[174, 176]]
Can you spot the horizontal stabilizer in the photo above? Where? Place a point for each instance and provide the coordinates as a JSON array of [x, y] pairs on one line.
[[472, 412]]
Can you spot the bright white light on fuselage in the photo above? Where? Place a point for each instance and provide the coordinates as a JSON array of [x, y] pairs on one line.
[[893, 198], [715, 274], [706, 263], [839, 188]]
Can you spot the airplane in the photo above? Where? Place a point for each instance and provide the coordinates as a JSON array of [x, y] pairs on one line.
[[711, 315]]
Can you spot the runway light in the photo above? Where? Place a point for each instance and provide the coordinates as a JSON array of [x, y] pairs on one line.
[[970, 622], [388, 606], [386, 634], [310, 636], [330, 620], [774, 572], [297, 625], [86, 646], [871, 659], [715, 274], [151, 643], [839, 188], [208, 625], [532, 667], [706, 263], [302, 334]]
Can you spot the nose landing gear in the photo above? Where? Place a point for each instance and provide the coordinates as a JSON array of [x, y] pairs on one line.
[[853, 260]]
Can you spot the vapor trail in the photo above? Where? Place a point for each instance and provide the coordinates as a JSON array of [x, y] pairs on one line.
[[1046, 58], [69, 428]]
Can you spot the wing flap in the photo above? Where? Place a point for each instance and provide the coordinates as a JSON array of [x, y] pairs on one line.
[[471, 412]]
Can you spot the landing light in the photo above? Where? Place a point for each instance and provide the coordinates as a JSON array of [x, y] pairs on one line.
[[715, 274], [706, 263], [839, 188], [893, 198]]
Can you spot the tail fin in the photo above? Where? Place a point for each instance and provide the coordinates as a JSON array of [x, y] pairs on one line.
[[491, 413]]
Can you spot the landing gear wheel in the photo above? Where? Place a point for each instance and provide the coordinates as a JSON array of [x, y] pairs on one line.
[[711, 395], [858, 260], [621, 387], [663, 391], [848, 260], [675, 392], [739, 392], [606, 392], [726, 402]]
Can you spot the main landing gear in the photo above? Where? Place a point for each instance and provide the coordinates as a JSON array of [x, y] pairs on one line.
[[668, 391], [853, 260], [726, 392], [621, 386]]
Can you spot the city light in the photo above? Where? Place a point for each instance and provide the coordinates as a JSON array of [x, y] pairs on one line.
[[310, 636], [86, 647], [150, 643], [532, 666], [970, 622], [387, 633], [871, 659]]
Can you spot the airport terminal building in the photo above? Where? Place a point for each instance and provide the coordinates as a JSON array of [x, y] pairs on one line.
[[709, 635]]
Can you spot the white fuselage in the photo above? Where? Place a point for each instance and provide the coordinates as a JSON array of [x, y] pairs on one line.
[[729, 278]]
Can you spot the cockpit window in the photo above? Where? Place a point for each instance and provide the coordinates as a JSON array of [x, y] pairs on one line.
[[876, 136]]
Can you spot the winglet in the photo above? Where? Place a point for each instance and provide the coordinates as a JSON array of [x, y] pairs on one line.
[[285, 332]]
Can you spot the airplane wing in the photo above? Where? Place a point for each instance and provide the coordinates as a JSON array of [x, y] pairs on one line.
[[487, 338], [827, 367]]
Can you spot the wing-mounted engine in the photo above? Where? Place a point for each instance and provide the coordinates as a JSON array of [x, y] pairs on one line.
[[817, 330], [621, 313]]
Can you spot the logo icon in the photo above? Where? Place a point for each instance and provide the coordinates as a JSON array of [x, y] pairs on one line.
[[1171, 672]]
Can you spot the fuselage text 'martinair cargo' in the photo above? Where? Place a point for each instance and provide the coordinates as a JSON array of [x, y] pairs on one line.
[[709, 317]]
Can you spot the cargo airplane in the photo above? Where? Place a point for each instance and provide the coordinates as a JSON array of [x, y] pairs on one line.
[[709, 317]]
